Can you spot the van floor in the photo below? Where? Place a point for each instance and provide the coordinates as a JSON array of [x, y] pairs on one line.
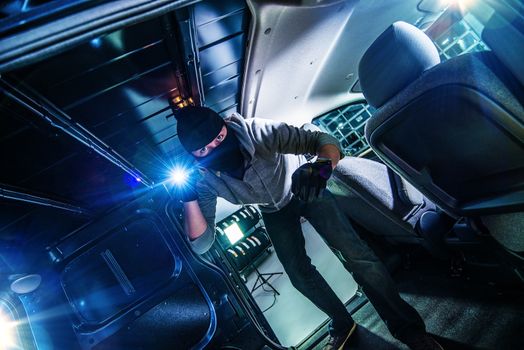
[[291, 316], [467, 312]]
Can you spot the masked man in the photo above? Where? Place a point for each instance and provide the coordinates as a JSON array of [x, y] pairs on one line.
[[258, 161]]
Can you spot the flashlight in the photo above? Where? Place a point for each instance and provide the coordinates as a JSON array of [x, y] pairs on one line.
[[178, 176]]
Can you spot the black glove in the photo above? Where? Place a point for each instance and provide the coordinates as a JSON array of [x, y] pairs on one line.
[[186, 192], [308, 181]]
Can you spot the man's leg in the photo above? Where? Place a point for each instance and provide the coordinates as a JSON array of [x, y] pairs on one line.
[[367, 269], [285, 232]]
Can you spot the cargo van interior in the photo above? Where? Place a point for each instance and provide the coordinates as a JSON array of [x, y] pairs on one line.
[[92, 249]]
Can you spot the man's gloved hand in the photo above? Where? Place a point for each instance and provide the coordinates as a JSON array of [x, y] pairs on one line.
[[310, 179], [186, 191]]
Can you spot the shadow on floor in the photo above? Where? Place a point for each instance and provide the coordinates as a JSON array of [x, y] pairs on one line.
[[364, 339], [449, 344]]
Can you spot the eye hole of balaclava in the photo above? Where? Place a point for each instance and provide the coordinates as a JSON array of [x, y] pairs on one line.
[[226, 157], [197, 127]]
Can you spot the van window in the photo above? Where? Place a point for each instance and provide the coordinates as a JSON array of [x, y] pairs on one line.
[[462, 37], [347, 125]]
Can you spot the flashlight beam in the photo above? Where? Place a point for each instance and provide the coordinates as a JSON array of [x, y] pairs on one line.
[[179, 176]]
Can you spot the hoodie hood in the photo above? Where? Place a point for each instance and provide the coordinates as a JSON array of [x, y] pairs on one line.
[[239, 126]]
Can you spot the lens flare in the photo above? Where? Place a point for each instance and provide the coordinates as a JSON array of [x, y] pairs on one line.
[[178, 176], [463, 5], [7, 333]]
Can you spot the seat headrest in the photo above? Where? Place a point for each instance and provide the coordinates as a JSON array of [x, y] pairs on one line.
[[395, 59]]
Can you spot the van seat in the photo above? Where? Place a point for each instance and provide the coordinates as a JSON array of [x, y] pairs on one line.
[[378, 200]]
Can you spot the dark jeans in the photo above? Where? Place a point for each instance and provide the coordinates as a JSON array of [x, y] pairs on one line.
[[369, 272]]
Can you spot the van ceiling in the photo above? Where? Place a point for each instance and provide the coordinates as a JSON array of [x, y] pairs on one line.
[[303, 58]]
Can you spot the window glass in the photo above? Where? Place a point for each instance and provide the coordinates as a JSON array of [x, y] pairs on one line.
[[347, 125], [462, 37]]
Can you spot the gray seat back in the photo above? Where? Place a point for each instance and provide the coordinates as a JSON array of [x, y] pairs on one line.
[[454, 129]]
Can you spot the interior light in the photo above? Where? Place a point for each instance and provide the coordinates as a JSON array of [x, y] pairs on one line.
[[7, 333], [466, 3], [182, 105], [463, 5], [179, 176], [97, 42], [233, 233]]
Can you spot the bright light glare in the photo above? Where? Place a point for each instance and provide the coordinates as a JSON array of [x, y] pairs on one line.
[[462, 4], [233, 233], [97, 42], [178, 176], [7, 334]]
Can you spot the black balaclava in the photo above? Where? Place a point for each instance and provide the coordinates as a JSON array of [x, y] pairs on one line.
[[197, 127], [227, 157]]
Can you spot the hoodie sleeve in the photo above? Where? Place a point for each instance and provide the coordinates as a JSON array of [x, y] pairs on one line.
[[207, 202], [280, 137]]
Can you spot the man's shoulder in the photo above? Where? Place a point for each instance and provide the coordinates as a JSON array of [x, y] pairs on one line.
[[239, 119], [255, 128]]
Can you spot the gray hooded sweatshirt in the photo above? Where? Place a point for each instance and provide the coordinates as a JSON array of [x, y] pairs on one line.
[[272, 152]]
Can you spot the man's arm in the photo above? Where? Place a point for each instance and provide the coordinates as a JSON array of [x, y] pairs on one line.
[[284, 138], [330, 151], [194, 222], [199, 216], [310, 180], [199, 230]]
